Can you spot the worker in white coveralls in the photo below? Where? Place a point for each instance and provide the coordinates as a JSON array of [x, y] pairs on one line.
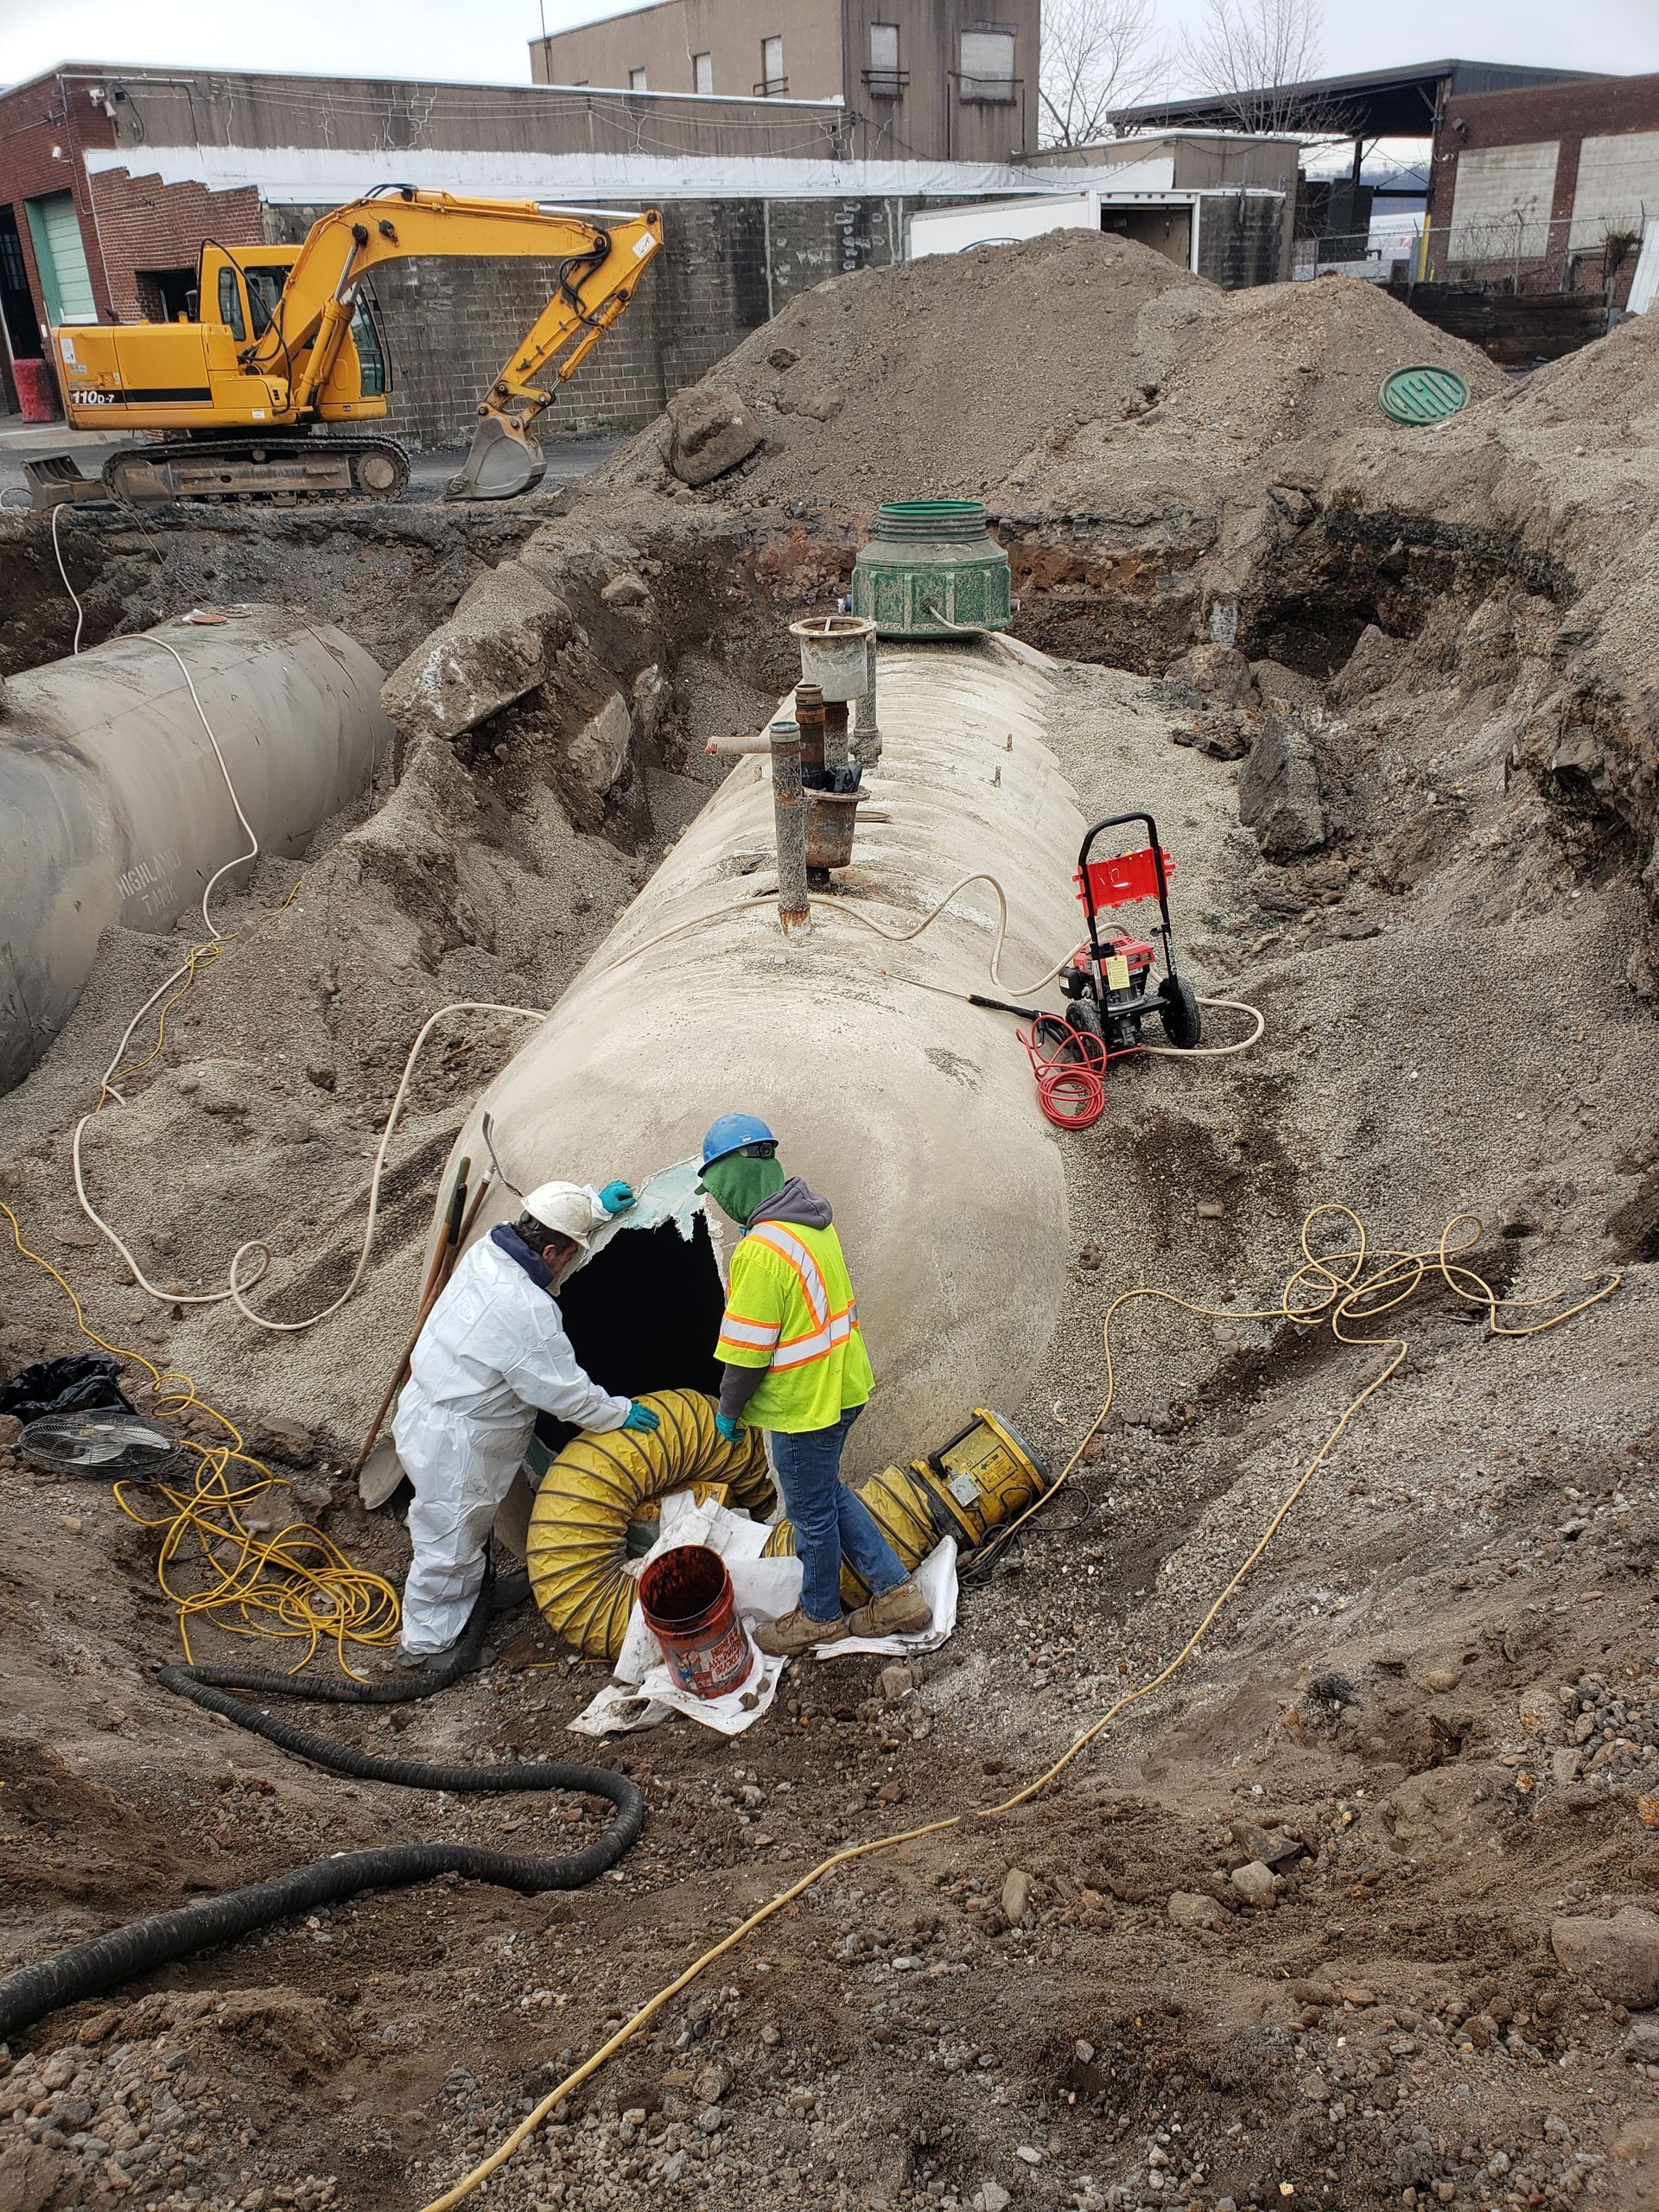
[[494, 1354], [794, 1364]]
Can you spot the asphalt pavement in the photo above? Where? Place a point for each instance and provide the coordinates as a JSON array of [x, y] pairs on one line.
[[429, 472]]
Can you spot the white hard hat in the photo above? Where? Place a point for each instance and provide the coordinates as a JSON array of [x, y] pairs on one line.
[[566, 1207]]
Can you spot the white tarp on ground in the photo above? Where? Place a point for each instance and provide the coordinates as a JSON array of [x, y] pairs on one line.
[[641, 1692], [324, 177]]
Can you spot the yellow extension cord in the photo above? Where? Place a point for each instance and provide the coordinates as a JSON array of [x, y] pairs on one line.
[[1331, 1289], [295, 1585]]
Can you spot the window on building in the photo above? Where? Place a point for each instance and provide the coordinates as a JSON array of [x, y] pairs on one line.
[[985, 67], [773, 80], [636, 81], [702, 72], [885, 78]]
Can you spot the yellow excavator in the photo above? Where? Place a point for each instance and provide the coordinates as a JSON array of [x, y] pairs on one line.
[[284, 339]]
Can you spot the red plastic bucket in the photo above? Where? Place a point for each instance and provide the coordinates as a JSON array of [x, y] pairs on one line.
[[687, 1599]]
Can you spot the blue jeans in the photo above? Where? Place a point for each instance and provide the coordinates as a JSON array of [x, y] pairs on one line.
[[829, 1519]]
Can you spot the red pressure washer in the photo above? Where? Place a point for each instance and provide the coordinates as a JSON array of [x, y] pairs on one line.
[[1107, 981], [1108, 984]]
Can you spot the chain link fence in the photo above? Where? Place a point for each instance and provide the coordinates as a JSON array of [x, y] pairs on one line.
[[1516, 253]]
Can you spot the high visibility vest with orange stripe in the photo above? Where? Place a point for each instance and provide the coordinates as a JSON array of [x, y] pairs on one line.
[[789, 1308]]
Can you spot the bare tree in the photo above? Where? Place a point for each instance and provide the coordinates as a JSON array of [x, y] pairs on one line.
[[1248, 53], [1098, 56]]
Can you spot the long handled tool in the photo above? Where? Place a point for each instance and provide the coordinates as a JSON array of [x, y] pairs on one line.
[[378, 1480]]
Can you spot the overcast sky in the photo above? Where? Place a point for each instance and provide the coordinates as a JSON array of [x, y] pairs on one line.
[[442, 38]]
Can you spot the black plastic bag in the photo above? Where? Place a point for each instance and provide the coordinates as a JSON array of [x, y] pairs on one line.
[[87, 1381]]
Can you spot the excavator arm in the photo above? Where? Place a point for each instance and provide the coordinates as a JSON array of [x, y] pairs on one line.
[[599, 258]]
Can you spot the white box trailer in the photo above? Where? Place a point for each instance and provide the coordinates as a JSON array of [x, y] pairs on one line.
[[1138, 203], [1000, 222]]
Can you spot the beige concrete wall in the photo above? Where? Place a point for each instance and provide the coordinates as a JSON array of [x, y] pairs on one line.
[[663, 39], [826, 55], [1495, 185], [1619, 182], [1201, 160]]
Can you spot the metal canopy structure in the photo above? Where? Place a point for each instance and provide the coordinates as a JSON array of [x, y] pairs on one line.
[[1371, 104]]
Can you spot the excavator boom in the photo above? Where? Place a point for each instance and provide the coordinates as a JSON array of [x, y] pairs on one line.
[[238, 385]]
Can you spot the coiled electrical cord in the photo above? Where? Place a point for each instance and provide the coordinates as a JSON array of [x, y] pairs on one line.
[[105, 1962]]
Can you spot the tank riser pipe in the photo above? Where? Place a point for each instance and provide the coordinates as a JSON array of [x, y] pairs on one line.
[[789, 816]]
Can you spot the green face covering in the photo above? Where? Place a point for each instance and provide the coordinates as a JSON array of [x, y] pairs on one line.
[[737, 1184]]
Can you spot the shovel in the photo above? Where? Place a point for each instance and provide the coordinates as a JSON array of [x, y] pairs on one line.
[[379, 1469]]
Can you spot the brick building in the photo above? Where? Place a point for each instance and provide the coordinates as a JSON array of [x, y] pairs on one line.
[[919, 80], [1548, 188]]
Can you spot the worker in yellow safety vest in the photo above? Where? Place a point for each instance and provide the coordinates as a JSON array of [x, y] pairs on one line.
[[795, 1365]]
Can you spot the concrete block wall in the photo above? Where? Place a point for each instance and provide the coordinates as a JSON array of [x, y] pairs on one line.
[[1245, 240], [726, 266]]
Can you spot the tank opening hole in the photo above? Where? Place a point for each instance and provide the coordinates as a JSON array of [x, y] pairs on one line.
[[644, 1315]]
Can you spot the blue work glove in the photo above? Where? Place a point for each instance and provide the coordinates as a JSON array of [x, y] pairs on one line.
[[730, 1429], [641, 1418], [617, 1198]]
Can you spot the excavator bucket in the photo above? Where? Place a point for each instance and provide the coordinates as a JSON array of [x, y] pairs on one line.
[[503, 462]]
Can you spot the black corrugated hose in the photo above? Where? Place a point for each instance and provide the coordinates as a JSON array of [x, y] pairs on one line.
[[86, 1969]]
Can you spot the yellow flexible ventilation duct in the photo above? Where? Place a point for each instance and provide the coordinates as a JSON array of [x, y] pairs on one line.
[[577, 1549]]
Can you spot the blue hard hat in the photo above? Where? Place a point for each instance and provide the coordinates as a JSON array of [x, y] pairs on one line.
[[731, 1133]]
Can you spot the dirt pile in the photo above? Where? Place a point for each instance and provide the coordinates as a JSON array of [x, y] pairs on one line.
[[1076, 373], [1508, 564]]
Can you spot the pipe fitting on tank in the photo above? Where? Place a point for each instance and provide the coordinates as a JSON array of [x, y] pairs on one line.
[[789, 816], [867, 732]]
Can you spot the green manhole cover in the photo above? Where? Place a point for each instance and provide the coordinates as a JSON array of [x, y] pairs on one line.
[[1422, 394]]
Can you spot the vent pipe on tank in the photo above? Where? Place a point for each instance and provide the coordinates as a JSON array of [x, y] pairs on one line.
[[789, 816]]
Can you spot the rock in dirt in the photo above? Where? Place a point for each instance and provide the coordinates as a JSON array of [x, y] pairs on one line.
[[1253, 1882], [625, 591], [1619, 1958], [1215, 673], [712, 431], [1016, 1895], [30, 2183], [596, 756], [267, 1438], [895, 1684], [495, 647], [990, 2197], [1278, 791], [1286, 690], [1368, 667], [1188, 1909]]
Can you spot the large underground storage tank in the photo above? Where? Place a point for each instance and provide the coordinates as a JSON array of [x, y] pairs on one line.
[[913, 1113], [116, 808]]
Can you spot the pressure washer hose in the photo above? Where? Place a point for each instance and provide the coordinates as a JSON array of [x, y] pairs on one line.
[[104, 1962]]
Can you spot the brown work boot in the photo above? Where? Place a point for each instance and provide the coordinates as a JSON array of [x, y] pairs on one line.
[[793, 1632], [895, 1613]]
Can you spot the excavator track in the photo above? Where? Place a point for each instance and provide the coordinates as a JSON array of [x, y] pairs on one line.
[[288, 471]]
